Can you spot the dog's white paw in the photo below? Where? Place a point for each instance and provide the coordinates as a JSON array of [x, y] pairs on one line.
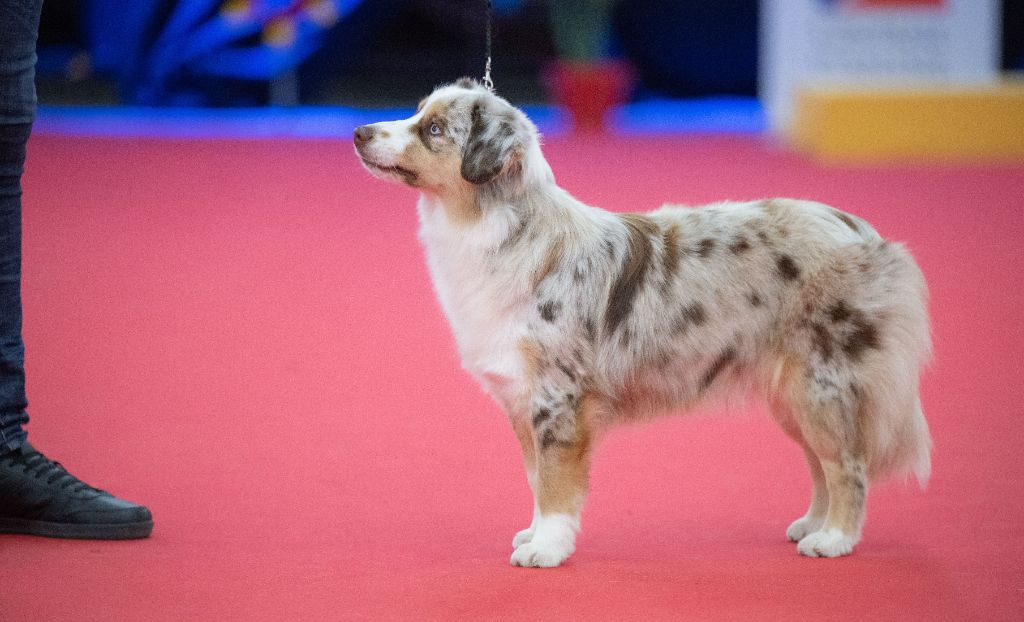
[[803, 526], [522, 537], [530, 555], [826, 543], [552, 540]]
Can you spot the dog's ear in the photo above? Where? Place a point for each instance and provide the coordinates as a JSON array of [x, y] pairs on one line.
[[493, 144]]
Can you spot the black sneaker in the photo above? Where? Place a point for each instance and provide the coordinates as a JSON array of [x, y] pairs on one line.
[[39, 497]]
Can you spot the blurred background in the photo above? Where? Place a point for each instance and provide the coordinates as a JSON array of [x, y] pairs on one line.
[[386, 53], [379, 52]]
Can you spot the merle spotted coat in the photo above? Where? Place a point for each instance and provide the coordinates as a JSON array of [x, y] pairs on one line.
[[576, 319]]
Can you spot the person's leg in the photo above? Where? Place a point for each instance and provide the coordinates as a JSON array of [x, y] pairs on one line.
[[19, 24], [37, 495]]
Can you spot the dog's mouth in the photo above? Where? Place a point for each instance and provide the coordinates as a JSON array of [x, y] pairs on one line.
[[401, 171]]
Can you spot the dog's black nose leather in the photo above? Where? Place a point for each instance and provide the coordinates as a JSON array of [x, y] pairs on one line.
[[363, 134]]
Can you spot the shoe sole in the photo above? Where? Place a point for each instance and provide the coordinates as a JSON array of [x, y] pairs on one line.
[[76, 531]]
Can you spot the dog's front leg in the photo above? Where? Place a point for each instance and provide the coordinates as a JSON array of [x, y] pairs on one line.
[[524, 433], [556, 438]]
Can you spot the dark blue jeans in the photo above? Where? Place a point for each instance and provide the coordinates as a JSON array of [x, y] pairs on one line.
[[19, 26]]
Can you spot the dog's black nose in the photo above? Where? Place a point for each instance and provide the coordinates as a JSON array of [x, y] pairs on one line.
[[363, 134]]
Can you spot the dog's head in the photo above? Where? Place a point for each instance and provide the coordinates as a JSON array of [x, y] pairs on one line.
[[462, 134]]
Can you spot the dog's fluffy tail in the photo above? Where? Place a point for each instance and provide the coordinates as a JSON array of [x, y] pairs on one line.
[[897, 436]]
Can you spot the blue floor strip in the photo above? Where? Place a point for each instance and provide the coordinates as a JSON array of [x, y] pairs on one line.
[[715, 115]]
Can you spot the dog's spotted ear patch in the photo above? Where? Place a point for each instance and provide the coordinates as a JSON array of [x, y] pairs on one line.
[[492, 141]]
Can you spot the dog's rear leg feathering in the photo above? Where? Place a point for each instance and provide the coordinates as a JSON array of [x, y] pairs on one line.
[[846, 389]]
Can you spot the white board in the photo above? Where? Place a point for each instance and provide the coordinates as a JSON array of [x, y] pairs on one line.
[[873, 43]]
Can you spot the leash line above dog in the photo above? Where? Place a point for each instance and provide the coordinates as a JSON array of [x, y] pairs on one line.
[[487, 65]]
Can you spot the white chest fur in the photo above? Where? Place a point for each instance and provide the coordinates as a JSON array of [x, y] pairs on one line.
[[487, 303]]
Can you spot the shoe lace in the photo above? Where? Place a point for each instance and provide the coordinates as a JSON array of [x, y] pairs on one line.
[[38, 465]]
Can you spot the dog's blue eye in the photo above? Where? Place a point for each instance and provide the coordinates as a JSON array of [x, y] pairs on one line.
[[435, 129]]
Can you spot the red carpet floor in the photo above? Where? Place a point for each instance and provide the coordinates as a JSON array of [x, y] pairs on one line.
[[243, 336]]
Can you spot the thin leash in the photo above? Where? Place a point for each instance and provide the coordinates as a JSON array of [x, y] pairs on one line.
[[487, 66]]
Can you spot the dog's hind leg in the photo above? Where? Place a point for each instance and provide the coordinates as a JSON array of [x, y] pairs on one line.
[[815, 516], [562, 436], [828, 411], [847, 487]]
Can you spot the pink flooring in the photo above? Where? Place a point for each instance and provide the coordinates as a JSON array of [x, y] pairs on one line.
[[242, 335]]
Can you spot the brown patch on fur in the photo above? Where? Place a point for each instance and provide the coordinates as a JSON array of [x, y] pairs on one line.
[[695, 314], [550, 262], [716, 368], [706, 246], [569, 373], [788, 269], [787, 385], [465, 213], [845, 218], [548, 440], [839, 312], [640, 222], [524, 434], [630, 279], [514, 235], [670, 241], [822, 341], [625, 337], [590, 329], [463, 210], [533, 356], [863, 337], [754, 299], [609, 248], [740, 245], [563, 467], [549, 310]]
